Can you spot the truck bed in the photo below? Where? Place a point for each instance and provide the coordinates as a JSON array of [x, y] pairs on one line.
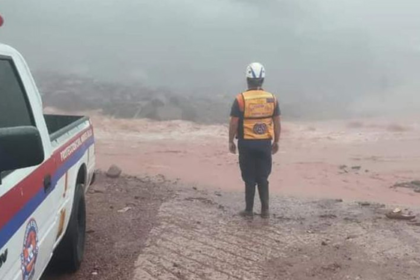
[[58, 124]]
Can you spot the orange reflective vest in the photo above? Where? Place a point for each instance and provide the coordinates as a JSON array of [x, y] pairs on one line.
[[258, 107]]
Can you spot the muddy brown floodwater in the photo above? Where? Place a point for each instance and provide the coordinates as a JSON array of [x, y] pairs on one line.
[[376, 153]]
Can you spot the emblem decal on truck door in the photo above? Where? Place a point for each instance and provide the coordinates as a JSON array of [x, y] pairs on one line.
[[30, 250]]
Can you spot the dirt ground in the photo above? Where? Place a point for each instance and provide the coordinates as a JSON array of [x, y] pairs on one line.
[[114, 239], [178, 232], [183, 221]]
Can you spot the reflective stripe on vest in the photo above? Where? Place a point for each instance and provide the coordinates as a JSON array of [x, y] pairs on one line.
[[258, 107]]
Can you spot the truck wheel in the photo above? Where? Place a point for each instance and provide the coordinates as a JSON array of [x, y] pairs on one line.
[[70, 251]]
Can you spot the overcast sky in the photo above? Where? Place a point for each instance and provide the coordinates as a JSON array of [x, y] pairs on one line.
[[364, 53]]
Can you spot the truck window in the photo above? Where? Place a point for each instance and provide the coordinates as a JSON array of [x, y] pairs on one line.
[[14, 105]]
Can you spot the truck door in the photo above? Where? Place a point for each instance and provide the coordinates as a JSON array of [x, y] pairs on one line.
[[25, 216]]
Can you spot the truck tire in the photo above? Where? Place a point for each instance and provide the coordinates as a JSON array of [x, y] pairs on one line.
[[70, 251]]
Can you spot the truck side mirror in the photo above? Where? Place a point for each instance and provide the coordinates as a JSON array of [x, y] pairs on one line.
[[20, 147]]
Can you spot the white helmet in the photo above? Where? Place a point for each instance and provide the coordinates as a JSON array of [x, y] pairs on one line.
[[255, 71]]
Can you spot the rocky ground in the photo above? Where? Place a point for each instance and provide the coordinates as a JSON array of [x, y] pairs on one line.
[[73, 93], [151, 228]]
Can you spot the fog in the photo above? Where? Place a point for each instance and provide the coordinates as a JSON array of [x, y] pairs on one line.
[[347, 57]]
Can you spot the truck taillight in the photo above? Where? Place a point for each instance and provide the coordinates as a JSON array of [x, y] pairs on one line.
[[1, 20]]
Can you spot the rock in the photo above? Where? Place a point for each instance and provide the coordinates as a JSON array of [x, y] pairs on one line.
[[338, 200], [98, 189], [332, 267], [323, 243], [218, 193], [397, 210], [364, 203], [397, 214], [195, 188], [328, 216], [125, 209], [416, 183], [356, 167], [342, 167], [114, 172], [397, 128], [160, 179]]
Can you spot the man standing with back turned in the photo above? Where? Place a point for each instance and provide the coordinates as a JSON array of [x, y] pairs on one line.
[[255, 121]]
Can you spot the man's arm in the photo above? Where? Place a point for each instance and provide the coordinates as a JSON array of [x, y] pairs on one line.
[[277, 131], [277, 128], [233, 128]]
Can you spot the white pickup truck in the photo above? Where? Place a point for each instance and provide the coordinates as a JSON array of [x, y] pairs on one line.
[[46, 165]]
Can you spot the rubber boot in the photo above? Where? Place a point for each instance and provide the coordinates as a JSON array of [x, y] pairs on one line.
[[264, 197], [249, 200]]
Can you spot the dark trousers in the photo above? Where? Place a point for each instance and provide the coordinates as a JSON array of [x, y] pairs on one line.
[[255, 161]]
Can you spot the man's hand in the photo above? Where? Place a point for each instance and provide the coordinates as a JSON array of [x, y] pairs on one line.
[[275, 148], [232, 147]]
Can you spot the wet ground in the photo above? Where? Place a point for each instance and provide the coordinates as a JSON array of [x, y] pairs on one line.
[[200, 237], [182, 232]]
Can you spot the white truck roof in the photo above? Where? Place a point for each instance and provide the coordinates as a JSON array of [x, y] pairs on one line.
[[7, 50]]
